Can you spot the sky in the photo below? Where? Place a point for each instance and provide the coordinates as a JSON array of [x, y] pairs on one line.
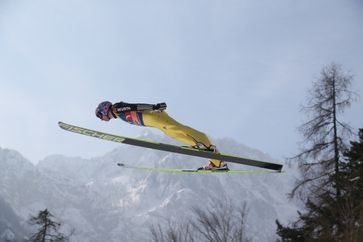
[[233, 69]]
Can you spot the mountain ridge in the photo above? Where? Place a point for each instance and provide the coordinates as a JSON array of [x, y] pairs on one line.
[[100, 200]]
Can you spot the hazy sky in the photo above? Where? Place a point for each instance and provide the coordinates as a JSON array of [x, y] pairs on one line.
[[231, 68]]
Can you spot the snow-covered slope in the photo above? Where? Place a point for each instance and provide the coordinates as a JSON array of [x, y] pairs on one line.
[[104, 202], [10, 227]]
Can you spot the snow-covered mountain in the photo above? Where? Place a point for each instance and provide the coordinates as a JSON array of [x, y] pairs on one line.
[[104, 202]]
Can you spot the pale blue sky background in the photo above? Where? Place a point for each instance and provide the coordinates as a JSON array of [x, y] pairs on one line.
[[237, 69]]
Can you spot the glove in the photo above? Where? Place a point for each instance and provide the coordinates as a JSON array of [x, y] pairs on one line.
[[159, 106]]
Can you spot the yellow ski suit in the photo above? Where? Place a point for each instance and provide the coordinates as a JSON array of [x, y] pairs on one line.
[[146, 115]]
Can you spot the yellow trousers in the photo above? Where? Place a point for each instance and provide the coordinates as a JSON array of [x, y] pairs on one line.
[[177, 131]]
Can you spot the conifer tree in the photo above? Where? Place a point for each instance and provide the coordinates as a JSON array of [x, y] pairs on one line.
[[320, 222], [351, 206], [48, 230]]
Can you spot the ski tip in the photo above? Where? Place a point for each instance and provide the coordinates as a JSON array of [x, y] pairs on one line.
[[61, 124]]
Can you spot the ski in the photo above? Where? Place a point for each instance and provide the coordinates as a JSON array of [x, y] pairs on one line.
[[169, 148], [175, 170]]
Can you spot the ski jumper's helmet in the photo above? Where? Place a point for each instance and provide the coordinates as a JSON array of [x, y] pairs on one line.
[[103, 108]]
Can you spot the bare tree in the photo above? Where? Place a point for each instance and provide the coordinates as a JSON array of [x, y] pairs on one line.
[[331, 213], [175, 232], [324, 132], [221, 222], [218, 221]]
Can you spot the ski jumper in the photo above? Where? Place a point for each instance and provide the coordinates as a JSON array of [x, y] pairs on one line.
[[143, 115]]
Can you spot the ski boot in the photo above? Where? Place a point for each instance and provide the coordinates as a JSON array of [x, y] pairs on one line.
[[222, 167]]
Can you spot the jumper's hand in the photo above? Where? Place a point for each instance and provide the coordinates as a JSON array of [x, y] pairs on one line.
[[159, 106]]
